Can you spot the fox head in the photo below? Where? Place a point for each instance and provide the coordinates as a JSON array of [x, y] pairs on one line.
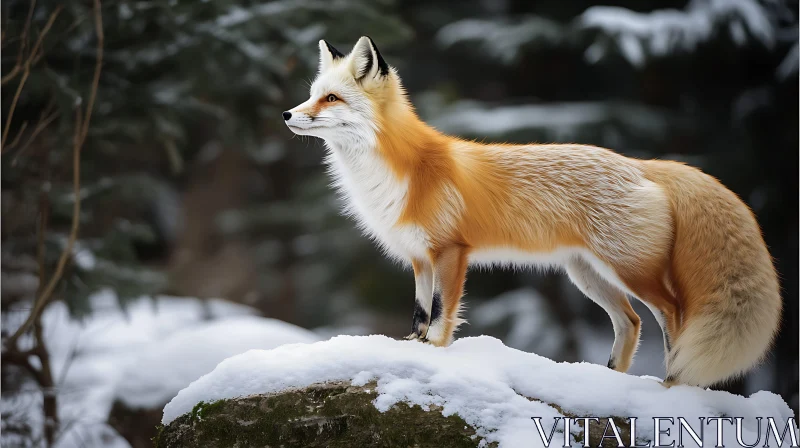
[[348, 96]]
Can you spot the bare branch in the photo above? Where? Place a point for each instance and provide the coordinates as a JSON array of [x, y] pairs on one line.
[[81, 130], [27, 72], [98, 26], [19, 135], [40, 126], [22, 44]]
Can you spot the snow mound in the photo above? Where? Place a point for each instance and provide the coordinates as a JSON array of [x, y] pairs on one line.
[[166, 367], [88, 356], [481, 380]]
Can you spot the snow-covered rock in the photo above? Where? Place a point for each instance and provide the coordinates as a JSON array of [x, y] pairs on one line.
[[334, 414], [495, 389]]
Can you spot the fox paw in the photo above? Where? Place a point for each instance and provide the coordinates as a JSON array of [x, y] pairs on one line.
[[417, 337], [670, 381]]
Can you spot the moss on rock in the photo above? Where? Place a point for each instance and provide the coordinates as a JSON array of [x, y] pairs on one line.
[[334, 415], [321, 415]]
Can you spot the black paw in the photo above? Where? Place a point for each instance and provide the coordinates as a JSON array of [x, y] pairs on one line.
[[419, 320]]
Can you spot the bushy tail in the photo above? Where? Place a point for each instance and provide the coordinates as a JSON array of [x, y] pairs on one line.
[[717, 345], [723, 276]]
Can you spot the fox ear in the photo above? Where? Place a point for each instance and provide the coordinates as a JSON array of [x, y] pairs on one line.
[[367, 62], [327, 54]]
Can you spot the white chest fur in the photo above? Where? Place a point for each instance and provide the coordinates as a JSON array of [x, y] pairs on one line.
[[374, 196]]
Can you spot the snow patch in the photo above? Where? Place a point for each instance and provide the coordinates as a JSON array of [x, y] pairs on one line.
[[89, 357], [158, 373]]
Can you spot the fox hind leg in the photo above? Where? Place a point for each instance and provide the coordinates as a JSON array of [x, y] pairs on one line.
[[625, 321], [667, 310], [662, 322]]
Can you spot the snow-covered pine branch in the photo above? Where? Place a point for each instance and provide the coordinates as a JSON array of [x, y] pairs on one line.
[[638, 36], [662, 32]]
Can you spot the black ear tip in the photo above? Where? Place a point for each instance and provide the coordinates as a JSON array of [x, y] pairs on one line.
[[372, 43], [382, 65], [334, 52]]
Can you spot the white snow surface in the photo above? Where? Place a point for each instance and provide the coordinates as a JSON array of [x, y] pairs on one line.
[[89, 357], [143, 354], [482, 381], [157, 374]]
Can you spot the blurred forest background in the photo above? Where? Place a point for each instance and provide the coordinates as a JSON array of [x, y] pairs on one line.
[[146, 170]]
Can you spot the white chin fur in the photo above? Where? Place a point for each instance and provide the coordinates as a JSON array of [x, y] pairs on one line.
[[315, 131]]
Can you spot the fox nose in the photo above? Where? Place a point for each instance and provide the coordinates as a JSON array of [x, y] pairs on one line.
[[287, 115]]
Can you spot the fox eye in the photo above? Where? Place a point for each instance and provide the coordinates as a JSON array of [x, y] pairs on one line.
[[332, 98]]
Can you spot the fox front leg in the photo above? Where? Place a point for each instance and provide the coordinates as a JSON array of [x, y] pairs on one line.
[[424, 304], [449, 273]]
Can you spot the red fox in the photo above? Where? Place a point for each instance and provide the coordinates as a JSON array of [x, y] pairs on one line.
[[660, 231]]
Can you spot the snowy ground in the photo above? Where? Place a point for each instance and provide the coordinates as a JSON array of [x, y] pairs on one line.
[[157, 374], [142, 356], [481, 380]]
